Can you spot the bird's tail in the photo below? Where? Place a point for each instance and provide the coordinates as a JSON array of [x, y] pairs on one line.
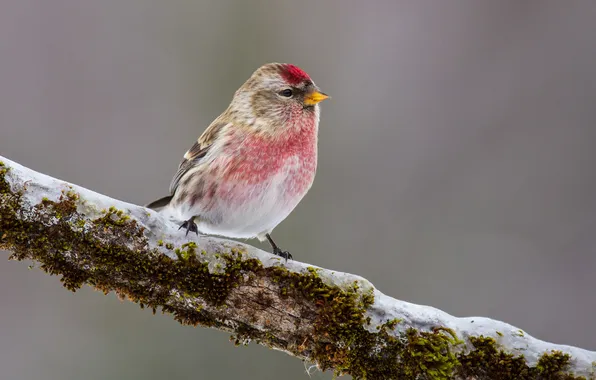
[[160, 203]]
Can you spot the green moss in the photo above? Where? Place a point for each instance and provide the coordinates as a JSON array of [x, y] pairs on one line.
[[391, 324], [553, 364], [114, 247], [113, 217], [4, 186], [430, 353], [64, 207], [489, 361], [486, 358], [341, 342], [10, 229], [186, 251]]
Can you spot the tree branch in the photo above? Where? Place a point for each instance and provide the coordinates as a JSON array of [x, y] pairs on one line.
[[337, 320]]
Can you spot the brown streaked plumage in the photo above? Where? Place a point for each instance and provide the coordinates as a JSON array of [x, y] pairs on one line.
[[195, 153], [254, 163]]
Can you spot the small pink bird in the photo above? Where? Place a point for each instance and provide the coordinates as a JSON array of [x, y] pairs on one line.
[[254, 163]]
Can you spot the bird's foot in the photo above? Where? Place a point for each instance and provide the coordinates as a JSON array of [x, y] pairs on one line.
[[190, 225], [276, 251], [285, 254]]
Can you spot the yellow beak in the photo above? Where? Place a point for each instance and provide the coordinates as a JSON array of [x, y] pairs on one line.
[[314, 97]]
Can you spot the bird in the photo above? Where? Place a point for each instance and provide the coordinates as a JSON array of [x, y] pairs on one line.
[[254, 163]]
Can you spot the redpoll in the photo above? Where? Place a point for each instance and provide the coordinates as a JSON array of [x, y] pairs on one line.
[[254, 163]]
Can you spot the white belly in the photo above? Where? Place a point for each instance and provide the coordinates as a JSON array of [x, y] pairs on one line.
[[253, 218], [263, 207]]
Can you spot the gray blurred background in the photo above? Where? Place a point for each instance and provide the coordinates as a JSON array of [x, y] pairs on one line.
[[456, 159]]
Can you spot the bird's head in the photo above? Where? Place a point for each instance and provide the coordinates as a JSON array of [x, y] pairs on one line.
[[278, 97]]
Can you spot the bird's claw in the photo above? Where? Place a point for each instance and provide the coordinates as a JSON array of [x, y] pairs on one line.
[[284, 254], [190, 225]]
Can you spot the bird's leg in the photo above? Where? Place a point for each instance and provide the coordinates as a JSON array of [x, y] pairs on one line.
[[277, 251], [190, 225]]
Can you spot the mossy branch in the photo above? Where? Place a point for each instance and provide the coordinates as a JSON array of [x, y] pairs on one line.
[[336, 320]]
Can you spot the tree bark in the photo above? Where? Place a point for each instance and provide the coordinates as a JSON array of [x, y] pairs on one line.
[[338, 321]]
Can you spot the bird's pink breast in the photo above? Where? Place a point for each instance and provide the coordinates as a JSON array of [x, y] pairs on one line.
[[254, 162]]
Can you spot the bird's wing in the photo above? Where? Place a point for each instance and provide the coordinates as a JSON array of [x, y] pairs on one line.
[[196, 152]]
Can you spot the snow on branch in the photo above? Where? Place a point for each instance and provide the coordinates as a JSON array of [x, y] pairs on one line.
[[336, 320]]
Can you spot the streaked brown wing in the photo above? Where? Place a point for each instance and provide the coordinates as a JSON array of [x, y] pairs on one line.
[[196, 152]]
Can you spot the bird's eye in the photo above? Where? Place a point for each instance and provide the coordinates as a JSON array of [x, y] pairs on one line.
[[286, 93]]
